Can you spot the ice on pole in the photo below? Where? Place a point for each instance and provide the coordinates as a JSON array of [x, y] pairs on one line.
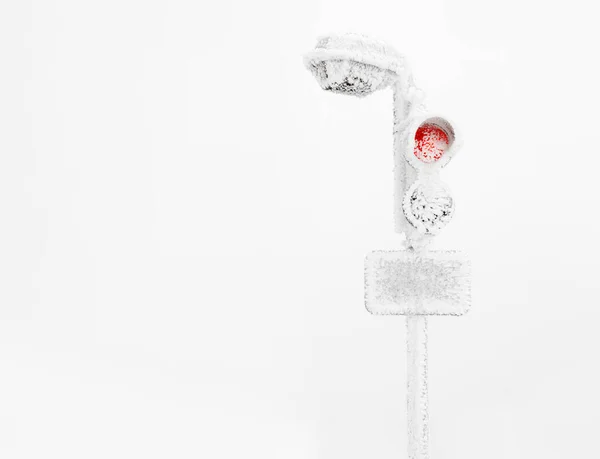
[[416, 282]]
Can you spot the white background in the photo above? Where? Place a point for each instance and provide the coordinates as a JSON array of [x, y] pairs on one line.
[[184, 216]]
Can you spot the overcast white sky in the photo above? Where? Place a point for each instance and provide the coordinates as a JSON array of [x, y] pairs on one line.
[[184, 216]]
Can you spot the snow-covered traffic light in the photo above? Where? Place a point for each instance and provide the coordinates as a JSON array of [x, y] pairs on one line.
[[415, 282], [430, 143]]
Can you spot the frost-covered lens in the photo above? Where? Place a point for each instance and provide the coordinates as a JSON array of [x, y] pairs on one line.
[[428, 206]]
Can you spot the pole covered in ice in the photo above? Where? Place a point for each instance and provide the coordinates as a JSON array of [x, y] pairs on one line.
[[415, 282]]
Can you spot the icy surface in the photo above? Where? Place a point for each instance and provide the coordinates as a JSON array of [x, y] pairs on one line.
[[417, 396], [354, 64], [414, 282], [428, 206], [350, 77], [417, 283]]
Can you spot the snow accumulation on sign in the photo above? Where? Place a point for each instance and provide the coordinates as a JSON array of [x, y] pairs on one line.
[[417, 283]]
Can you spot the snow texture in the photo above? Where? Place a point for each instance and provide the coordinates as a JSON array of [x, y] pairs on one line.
[[356, 65], [408, 104], [428, 206], [413, 282], [417, 395], [424, 176], [350, 77], [356, 48], [410, 282]]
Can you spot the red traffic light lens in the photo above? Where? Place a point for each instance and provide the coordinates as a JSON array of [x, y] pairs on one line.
[[431, 142]]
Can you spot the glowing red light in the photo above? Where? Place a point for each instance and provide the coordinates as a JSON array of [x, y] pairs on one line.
[[431, 142]]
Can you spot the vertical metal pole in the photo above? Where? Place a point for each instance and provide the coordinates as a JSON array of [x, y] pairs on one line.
[[404, 174], [417, 402], [416, 326]]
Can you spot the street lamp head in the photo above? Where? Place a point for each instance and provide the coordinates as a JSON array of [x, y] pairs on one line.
[[354, 64]]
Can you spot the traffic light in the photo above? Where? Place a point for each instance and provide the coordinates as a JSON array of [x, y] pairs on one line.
[[429, 143], [415, 282]]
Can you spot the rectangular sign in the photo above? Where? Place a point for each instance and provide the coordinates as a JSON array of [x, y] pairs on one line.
[[409, 282]]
